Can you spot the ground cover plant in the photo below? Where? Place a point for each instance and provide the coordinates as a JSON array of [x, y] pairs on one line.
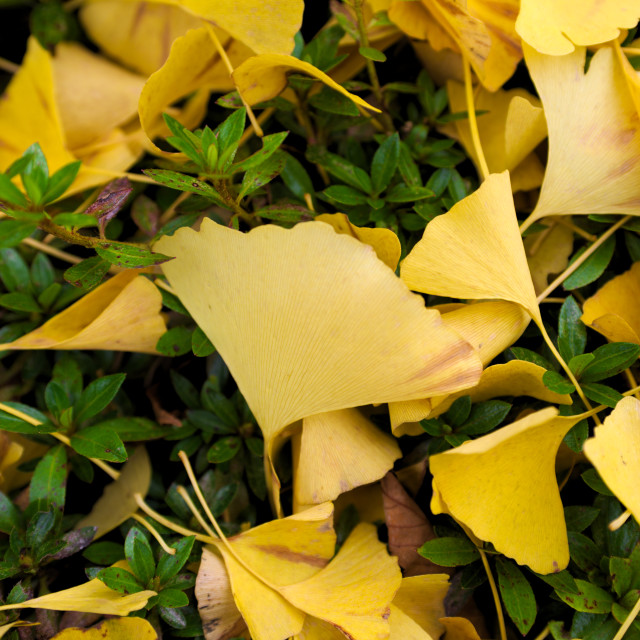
[[320, 322]]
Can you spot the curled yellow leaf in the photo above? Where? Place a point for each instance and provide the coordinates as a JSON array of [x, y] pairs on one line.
[[115, 629], [122, 314]]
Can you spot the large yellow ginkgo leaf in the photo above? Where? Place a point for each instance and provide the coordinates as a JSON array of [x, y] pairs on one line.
[[503, 487], [114, 629], [338, 451], [474, 251], [555, 27], [122, 314], [594, 135], [614, 310], [548, 251], [290, 311], [511, 129], [614, 451]]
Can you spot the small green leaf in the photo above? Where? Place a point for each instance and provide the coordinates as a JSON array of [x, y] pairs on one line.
[[557, 383], [10, 515], [344, 194], [98, 442], [132, 429], [9, 422], [225, 495], [98, 395], [129, 256], [296, 178], [13, 232], [484, 417], [333, 102], [120, 580], [449, 552], [572, 333], [579, 517], [459, 411], [372, 54], [270, 144], [139, 555], [601, 393], [584, 552], [61, 180], [578, 364], [14, 271], [407, 166], [593, 267], [183, 182], [589, 599], [224, 449], [520, 353], [340, 168], [264, 173], [185, 389], [595, 482], [35, 173], [47, 487], [18, 301], [229, 132], [404, 193], [175, 342], [88, 273], [284, 212], [42, 273], [609, 360], [173, 598], [621, 574], [517, 595], [75, 220], [200, 344], [10, 193], [104, 553], [168, 565], [385, 163]]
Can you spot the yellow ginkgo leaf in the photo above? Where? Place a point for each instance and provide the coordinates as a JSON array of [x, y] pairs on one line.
[[136, 34], [594, 136], [483, 32], [513, 127], [117, 502], [122, 314], [354, 591], [614, 450], [489, 327], [91, 597], [548, 251], [264, 76], [46, 103], [94, 96], [503, 487], [614, 310], [315, 629], [384, 241], [16, 450], [338, 451], [115, 629], [193, 65], [474, 251], [421, 600], [5, 628], [459, 629], [289, 310], [555, 27]]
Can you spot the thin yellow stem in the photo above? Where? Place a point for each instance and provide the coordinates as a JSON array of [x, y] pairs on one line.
[[614, 525], [632, 381], [227, 63], [171, 209], [183, 531], [543, 634], [154, 532], [261, 119], [196, 487], [496, 596], [7, 65], [473, 122], [571, 268], [565, 222], [632, 51], [198, 516], [542, 236], [567, 370], [52, 251], [628, 622], [553, 301], [133, 177], [309, 201]]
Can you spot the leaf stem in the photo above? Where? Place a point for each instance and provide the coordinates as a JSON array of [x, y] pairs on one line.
[[473, 122], [543, 634], [572, 267], [154, 532], [227, 63], [198, 516], [628, 621], [496, 596]]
